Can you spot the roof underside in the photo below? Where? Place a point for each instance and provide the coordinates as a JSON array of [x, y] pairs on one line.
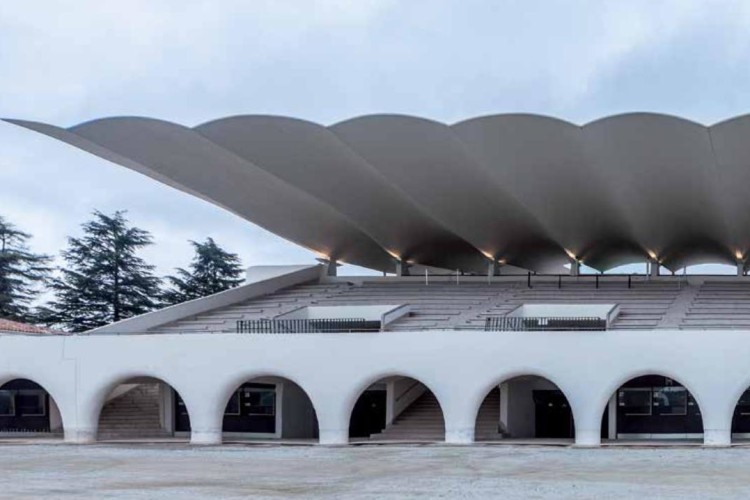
[[527, 190]]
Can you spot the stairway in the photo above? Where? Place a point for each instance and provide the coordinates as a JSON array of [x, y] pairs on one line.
[[422, 421], [488, 419], [134, 414]]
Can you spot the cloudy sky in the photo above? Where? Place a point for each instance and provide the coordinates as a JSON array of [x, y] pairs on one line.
[[190, 61]]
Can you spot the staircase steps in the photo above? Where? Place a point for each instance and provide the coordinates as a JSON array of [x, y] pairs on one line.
[[134, 414], [422, 421], [488, 418]]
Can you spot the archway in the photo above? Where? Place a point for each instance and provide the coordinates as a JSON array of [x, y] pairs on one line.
[[397, 408], [741, 418], [524, 407], [653, 407], [141, 408], [28, 410], [266, 408]]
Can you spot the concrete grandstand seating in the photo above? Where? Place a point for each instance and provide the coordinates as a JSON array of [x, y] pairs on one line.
[[665, 303], [719, 304], [225, 319]]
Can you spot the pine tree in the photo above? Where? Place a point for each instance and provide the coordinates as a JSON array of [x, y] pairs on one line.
[[104, 279], [212, 270], [22, 272]]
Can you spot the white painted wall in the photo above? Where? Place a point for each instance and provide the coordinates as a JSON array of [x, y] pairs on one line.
[[602, 311], [460, 367], [383, 313]]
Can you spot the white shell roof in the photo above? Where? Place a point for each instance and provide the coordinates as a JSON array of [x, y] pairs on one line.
[[528, 190]]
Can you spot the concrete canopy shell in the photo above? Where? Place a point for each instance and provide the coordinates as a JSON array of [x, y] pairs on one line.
[[321, 165], [435, 169], [526, 190], [541, 160], [183, 159]]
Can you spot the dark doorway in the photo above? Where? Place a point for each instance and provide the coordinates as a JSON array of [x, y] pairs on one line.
[[553, 416], [368, 415]]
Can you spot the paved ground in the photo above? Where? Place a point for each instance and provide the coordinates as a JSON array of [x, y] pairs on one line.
[[178, 471]]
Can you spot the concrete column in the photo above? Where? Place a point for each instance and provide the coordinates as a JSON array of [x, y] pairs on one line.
[[334, 411], [84, 429], [653, 268], [334, 436], [79, 435], [493, 267], [459, 425], [166, 407], [206, 418], [504, 398], [612, 417], [575, 267], [589, 438], [717, 437], [402, 268], [330, 266], [81, 419], [587, 412], [459, 434], [741, 267]]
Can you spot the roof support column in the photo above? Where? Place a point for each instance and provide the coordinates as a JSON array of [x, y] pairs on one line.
[[402, 268], [653, 270], [493, 267], [741, 265], [575, 267], [330, 266]]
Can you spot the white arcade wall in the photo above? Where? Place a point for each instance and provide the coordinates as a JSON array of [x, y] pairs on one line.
[[460, 367]]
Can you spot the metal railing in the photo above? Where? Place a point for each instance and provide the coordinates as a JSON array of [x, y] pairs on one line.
[[332, 325], [521, 324]]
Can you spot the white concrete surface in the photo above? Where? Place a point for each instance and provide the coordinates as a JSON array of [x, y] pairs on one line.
[[459, 367], [376, 472]]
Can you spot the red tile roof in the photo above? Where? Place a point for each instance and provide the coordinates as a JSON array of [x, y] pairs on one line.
[[7, 325]]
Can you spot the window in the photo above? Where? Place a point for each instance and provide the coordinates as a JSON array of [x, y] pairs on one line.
[[260, 401], [670, 400], [635, 401], [7, 404], [31, 403], [233, 406]]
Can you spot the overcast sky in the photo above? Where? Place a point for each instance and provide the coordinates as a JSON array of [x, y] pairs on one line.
[[69, 61]]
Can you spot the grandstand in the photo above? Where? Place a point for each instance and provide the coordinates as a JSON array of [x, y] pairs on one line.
[[498, 317]]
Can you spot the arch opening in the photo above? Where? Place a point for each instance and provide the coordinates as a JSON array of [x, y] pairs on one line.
[[522, 408], [397, 408], [741, 418], [268, 408], [28, 410], [141, 408], [652, 407]]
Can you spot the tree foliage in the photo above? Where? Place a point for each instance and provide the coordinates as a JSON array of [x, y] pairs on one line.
[[22, 272], [104, 279], [212, 270]]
